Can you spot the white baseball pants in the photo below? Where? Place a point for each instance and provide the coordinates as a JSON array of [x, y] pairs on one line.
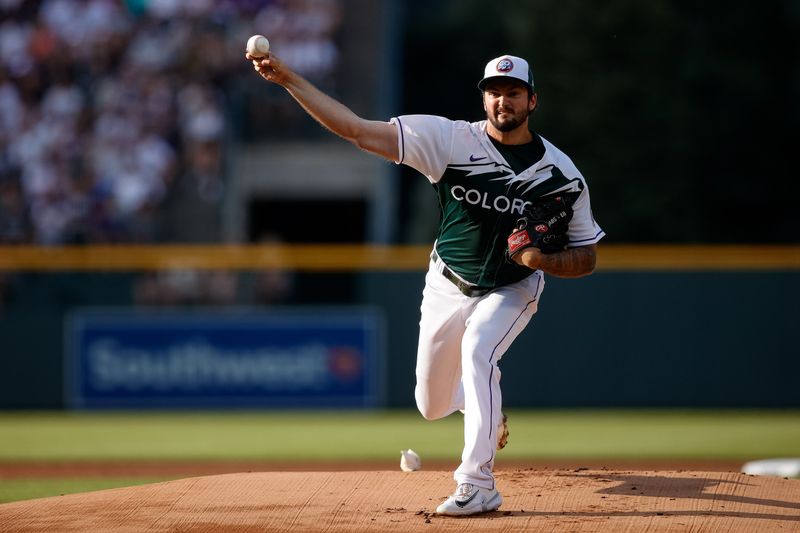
[[461, 340]]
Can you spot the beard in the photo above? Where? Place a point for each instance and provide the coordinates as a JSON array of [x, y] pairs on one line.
[[508, 123]]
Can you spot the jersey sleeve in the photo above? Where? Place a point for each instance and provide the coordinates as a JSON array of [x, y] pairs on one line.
[[425, 143], [583, 230]]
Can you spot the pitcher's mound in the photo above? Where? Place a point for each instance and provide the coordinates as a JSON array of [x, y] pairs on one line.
[[546, 501]]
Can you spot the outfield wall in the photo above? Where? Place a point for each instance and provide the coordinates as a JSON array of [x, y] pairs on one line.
[[635, 339], [677, 337]]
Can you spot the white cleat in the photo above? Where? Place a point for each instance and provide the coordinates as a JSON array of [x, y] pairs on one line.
[[469, 499]]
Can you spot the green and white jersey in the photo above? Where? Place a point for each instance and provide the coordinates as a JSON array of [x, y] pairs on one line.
[[482, 194]]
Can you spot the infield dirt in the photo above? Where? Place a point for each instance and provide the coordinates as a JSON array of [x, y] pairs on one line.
[[382, 501]]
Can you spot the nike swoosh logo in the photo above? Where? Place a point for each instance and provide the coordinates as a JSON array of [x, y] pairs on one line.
[[473, 158], [464, 503]]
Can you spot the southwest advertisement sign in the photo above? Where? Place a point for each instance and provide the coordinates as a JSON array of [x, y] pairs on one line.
[[290, 358]]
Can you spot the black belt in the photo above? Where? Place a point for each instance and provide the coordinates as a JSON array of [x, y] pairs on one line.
[[467, 289]]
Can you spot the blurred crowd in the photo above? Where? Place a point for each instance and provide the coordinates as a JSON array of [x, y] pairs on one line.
[[116, 117]]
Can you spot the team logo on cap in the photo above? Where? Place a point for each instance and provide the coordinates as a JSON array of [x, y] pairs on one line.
[[505, 65]]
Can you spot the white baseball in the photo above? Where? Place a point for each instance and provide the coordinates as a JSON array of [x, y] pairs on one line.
[[258, 46], [409, 461]]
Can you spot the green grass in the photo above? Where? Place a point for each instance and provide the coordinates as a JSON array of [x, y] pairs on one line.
[[12, 490], [343, 436]]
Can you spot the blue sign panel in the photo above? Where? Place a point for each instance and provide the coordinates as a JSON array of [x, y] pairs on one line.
[[311, 358]]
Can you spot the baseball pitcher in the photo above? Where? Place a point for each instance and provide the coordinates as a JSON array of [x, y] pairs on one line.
[[513, 207]]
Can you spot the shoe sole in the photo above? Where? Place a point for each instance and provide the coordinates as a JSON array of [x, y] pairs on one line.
[[502, 433]]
